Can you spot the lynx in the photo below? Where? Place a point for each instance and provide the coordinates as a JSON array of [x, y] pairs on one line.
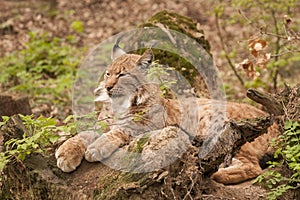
[[127, 93]]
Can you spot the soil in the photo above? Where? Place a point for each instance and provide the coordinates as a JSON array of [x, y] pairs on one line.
[[101, 19]]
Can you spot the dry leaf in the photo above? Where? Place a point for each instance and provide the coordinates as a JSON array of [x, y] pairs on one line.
[[254, 53], [256, 45], [248, 66], [243, 64], [287, 19], [263, 59]]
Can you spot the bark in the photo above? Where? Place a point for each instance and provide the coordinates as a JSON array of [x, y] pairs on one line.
[[10, 105], [272, 105], [231, 139]]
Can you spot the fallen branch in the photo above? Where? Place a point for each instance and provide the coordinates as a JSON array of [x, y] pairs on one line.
[[233, 136], [267, 100]]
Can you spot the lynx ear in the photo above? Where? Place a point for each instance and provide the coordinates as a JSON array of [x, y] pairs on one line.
[[146, 59], [117, 51]]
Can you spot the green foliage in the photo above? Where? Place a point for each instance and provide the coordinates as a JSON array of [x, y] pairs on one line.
[[141, 143], [139, 116], [77, 26], [103, 126], [288, 153], [44, 70], [4, 120], [41, 133], [160, 74], [276, 23], [70, 126], [255, 83]]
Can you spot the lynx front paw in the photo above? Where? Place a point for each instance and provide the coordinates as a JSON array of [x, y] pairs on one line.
[[70, 154], [102, 148], [93, 155]]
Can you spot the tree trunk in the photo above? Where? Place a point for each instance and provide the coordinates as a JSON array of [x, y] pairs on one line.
[[10, 105]]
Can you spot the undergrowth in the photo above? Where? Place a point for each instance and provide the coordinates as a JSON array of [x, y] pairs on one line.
[[44, 70], [41, 133], [284, 174], [267, 51]]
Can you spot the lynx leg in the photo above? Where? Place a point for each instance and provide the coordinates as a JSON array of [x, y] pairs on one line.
[[71, 152], [105, 145], [238, 172]]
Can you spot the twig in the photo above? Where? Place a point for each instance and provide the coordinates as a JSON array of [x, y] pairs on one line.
[[162, 190], [192, 186], [164, 29], [260, 30], [277, 49], [224, 49], [245, 17], [273, 34]]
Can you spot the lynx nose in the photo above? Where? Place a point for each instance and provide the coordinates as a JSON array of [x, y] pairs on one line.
[[109, 88]]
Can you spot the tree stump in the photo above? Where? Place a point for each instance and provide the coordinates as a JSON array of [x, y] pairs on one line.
[[169, 21], [10, 105]]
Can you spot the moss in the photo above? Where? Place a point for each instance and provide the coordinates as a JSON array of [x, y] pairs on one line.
[[188, 27], [115, 187], [178, 23], [140, 143], [117, 184]]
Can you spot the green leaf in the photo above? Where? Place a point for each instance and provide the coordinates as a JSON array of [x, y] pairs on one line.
[[77, 26], [69, 118], [288, 125], [53, 138]]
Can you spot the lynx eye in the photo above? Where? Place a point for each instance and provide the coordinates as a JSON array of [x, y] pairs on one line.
[[121, 74], [107, 74]]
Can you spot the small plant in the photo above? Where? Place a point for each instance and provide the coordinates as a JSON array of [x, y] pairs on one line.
[[41, 133], [44, 70], [288, 153], [77, 26], [139, 116], [141, 143], [160, 74], [39, 136]]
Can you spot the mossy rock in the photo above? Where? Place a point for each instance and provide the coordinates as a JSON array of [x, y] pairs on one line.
[[181, 24], [190, 28]]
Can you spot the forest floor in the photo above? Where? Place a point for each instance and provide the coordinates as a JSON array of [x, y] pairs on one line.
[[102, 19]]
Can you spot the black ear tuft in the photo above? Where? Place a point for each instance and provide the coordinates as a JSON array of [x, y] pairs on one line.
[[117, 51], [146, 59]]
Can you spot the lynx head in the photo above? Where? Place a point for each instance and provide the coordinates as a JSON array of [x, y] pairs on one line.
[[123, 77]]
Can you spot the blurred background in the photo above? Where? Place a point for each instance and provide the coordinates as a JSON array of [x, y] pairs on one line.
[[42, 42]]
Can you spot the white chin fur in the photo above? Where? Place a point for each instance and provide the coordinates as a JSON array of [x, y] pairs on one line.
[[102, 98]]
